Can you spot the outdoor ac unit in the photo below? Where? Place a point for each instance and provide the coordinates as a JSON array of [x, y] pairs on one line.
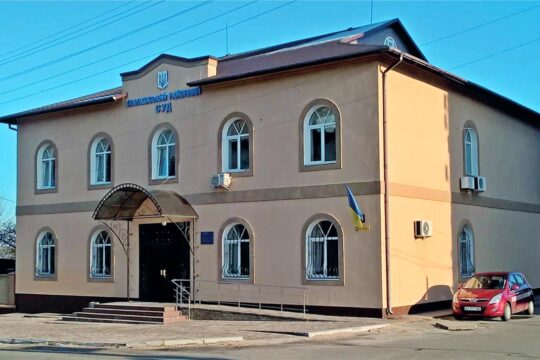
[[221, 181], [422, 229], [480, 183], [467, 183]]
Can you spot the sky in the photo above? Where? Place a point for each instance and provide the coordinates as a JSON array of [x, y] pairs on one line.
[[54, 51]]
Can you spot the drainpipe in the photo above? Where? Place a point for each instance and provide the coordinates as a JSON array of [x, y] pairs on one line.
[[386, 196], [12, 127]]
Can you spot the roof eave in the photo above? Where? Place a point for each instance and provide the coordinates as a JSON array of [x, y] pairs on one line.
[[12, 119]]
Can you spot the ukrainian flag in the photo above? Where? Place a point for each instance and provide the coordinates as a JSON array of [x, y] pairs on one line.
[[358, 216]]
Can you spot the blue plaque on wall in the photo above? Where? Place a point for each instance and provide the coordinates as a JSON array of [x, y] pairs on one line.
[[207, 237]]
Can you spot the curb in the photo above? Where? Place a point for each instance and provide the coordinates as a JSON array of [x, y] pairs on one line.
[[349, 330], [134, 344]]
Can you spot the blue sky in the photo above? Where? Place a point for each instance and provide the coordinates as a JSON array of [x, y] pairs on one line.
[[52, 51]]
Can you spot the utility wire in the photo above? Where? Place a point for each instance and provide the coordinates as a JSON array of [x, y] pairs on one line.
[[66, 29], [130, 49], [479, 25], [149, 55], [129, 33], [50, 44]]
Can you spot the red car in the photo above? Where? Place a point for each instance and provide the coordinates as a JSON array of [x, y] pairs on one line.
[[493, 294]]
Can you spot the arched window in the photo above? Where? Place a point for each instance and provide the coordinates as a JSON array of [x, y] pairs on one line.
[[470, 148], [322, 251], [100, 255], [164, 154], [45, 255], [236, 252], [100, 161], [466, 252], [46, 167], [235, 146]]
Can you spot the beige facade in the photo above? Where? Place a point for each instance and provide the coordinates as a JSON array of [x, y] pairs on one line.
[[425, 162]]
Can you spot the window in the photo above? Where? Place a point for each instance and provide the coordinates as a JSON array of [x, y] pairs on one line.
[[45, 255], [322, 251], [236, 145], [46, 167], [100, 255], [466, 252], [470, 145], [236, 252], [100, 161], [164, 154]]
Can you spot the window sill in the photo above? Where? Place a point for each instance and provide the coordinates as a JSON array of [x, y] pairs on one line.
[[159, 181], [100, 279], [323, 282], [100, 186], [236, 280], [46, 190], [239, 173], [320, 166], [38, 277]]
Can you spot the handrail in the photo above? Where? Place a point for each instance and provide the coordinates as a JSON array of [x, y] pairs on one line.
[[182, 294]]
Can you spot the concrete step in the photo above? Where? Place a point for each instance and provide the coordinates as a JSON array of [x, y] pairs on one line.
[[162, 308], [112, 321], [129, 312]]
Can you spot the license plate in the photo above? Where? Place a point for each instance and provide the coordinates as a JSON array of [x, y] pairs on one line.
[[472, 308]]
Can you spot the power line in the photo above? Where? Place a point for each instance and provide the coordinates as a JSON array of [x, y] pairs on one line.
[[130, 49], [495, 54], [479, 25], [50, 44], [66, 29], [129, 33], [149, 55]]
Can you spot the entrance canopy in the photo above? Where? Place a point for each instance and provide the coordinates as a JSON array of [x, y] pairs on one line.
[[131, 201]]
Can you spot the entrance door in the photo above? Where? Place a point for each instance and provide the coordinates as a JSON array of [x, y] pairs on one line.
[[163, 255]]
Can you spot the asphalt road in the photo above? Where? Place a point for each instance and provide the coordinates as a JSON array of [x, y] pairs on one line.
[[518, 339]]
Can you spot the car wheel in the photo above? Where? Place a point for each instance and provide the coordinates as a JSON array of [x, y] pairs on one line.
[[530, 308], [458, 317], [507, 313]]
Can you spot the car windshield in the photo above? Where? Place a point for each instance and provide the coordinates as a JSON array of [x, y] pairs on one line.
[[486, 282]]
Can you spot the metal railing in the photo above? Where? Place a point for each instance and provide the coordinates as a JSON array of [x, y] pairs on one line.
[[259, 296], [182, 294]]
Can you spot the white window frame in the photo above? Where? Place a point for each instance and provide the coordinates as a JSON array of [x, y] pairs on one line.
[[466, 237], [42, 270], [41, 184], [470, 148], [95, 248], [155, 156], [226, 139], [310, 271], [308, 140], [226, 274], [93, 161]]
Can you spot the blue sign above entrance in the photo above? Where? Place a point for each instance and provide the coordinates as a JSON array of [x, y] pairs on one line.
[[165, 98]]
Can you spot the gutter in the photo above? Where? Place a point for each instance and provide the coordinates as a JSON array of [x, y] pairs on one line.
[[386, 195]]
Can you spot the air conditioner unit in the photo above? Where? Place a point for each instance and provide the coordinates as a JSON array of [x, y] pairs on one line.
[[221, 181], [467, 183], [422, 229], [480, 183]]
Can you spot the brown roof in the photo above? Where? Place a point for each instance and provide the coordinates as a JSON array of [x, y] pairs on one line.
[[105, 96]]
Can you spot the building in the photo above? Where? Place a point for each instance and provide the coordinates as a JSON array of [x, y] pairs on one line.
[[115, 197]]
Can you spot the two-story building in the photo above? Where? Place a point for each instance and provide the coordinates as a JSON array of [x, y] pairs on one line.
[[231, 172]]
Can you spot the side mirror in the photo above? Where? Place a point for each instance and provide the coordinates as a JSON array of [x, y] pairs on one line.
[[514, 287]]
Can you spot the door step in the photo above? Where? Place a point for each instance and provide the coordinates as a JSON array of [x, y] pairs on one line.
[[128, 314]]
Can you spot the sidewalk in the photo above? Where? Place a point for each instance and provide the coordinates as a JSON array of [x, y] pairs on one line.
[[48, 329]]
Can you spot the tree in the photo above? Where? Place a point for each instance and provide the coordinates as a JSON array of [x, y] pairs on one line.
[[7, 238]]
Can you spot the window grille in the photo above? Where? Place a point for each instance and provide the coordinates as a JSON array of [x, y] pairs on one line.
[[100, 256], [466, 252], [322, 251], [45, 262], [236, 255]]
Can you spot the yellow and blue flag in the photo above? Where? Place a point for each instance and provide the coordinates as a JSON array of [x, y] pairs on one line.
[[359, 218]]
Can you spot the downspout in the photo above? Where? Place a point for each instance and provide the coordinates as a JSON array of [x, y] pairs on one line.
[[12, 127], [386, 196]]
